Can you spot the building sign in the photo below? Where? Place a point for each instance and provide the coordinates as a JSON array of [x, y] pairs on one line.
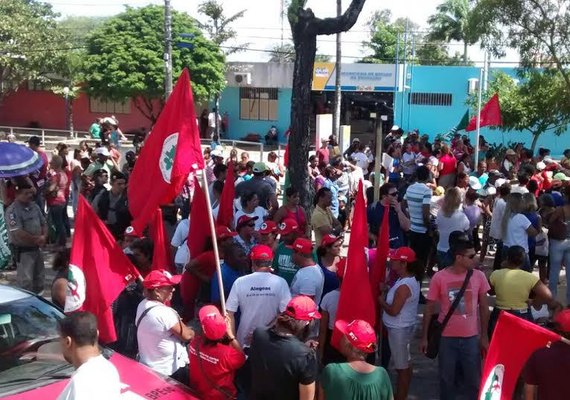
[[358, 77]]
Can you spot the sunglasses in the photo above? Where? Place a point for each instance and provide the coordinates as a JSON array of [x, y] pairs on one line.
[[393, 194], [471, 256], [251, 225]]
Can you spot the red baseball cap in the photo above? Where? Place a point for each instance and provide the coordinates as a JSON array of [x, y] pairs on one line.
[[302, 308], [160, 278], [244, 220], [359, 334], [213, 323], [402, 254], [562, 319], [261, 252], [287, 226], [223, 232], [302, 245], [130, 231], [268, 227], [329, 240]]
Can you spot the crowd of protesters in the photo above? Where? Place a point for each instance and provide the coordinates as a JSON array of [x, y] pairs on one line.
[[282, 265]]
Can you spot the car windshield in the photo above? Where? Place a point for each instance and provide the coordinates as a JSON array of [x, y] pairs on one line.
[[30, 352]]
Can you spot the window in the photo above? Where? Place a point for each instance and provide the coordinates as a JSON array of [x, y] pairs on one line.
[[258, 104], [430, 99], [109, 107], [35, 85]]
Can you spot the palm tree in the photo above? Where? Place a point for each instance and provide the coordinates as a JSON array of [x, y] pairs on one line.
[[282, 53], [454, 21]]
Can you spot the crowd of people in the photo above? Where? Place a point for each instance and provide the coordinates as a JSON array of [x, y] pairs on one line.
[[282, 265]]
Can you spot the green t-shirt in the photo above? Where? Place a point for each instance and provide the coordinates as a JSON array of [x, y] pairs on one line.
[[283, 262], [95, 131], [341, 382]]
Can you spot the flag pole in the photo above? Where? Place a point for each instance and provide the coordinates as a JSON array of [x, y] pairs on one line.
[[214, 242], [478, 119]]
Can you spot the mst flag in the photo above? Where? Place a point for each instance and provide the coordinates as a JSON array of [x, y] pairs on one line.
[[170, 153], [355, 300], [199, 230], [99, 270], [490, 115], [226, 210], [514, 340], [161, 252]]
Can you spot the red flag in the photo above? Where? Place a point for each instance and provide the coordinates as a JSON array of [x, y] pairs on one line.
[[100, 269], [378, 270], [226, 209], [170, 153], [356, 300], [199, 230], [286, 155], [161, 254], [490, 115], [513, 342]]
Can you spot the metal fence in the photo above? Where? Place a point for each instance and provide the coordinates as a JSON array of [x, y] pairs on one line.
[[46, 135], [243, 145]]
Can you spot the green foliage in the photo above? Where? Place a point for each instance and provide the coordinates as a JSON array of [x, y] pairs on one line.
[[415, 48], [531, 102], [125, 57], [539, 30], [282, 53], [31, 46], [218, 25], [454, 20], [322, 58]]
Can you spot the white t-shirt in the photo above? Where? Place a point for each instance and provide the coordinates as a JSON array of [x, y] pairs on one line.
[[308, 281], [408, 314], [260, 297], [180, 241], [519, 189], [497, 218], [409, 163], [94, 380], [445, 225], [259, 212], [361, 160], [329, 303], [516, 234], [159, 349]]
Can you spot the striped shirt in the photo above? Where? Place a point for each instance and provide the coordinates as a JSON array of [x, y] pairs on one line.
[[417, 195]]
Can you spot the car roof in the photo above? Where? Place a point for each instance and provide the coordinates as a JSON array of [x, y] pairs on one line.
[[9, 294]]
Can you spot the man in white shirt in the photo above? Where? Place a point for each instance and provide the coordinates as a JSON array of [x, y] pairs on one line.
[[179, 245], [309, 279], [260, 296], [95, 377]]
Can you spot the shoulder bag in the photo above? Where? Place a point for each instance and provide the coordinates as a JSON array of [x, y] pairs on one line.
[[436, 328]]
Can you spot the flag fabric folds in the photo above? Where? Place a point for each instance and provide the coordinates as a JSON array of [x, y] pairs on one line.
[[356, 300], [161, 257], [513, 342], [226, 210], [100, 266], [378, 270], [169, 154], [199, 230], [463, 123], [490, 115]]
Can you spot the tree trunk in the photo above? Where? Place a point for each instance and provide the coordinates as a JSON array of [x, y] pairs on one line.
[[465, 58], [300, 137], [535, 137]]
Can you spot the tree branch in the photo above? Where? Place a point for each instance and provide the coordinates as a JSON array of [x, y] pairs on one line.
[[329, 26]]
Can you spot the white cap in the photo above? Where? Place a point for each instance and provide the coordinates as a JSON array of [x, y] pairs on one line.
[[474, 183], [395, 128], [500, 182], [217, 153], [540, 165], [102, 151]]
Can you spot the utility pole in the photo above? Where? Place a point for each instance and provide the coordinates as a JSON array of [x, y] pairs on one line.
[[337, 91], [167, 49]]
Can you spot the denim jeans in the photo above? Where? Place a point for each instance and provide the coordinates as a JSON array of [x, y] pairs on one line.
[[455, 352], [559, 252], [57, 216]]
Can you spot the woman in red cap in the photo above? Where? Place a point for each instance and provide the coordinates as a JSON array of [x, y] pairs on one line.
[[400, 308], [355, 379], [328, 256], [215, 356], [160, 331]]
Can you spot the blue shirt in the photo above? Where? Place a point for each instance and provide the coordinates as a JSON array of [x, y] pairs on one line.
[[229, 276], [331, 280], [334, 190], [376, 214]]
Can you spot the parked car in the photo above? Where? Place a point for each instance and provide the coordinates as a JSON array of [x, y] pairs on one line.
[[32, 365]]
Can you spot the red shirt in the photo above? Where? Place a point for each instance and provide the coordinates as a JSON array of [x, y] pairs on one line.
[[449, 164], [58, 196], [215, 368]]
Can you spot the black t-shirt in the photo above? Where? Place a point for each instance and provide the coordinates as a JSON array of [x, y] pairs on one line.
[[278, 365]]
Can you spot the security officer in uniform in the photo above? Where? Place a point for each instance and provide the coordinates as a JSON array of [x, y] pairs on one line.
[[27, 232]]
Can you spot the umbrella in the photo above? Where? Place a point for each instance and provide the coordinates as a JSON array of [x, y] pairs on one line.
[[18, 160]]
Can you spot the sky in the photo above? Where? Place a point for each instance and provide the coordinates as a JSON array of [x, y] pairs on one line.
[[261, 24]]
